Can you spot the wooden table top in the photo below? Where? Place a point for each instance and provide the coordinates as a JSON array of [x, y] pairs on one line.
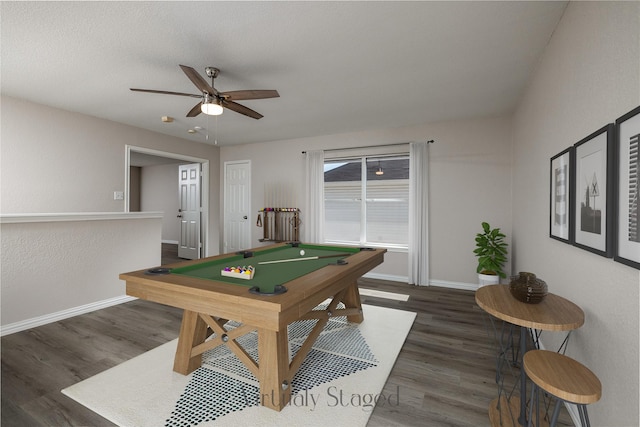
[[553, 313]]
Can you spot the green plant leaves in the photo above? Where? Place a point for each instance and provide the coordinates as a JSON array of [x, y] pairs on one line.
[[491, 250]]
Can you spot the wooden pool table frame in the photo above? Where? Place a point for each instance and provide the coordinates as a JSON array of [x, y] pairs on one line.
[[209, 304]]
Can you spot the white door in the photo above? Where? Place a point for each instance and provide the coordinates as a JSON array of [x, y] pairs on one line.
[[189, 211], [237, 194]]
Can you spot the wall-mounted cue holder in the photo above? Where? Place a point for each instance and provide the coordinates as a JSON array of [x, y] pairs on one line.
[[279, 224]]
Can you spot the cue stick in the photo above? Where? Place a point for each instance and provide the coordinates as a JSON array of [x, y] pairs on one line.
[[302, 259]]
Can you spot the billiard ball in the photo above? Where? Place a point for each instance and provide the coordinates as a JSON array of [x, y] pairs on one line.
[[301, 252]]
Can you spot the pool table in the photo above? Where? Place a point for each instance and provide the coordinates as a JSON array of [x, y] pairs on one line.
[[286, 287]]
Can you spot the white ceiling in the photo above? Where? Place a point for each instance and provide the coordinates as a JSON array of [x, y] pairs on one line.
[[338, 66]]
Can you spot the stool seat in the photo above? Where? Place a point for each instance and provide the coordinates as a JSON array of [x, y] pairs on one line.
[[562, 376]]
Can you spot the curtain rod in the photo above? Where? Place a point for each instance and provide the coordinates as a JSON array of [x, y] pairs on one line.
[[370, 146]]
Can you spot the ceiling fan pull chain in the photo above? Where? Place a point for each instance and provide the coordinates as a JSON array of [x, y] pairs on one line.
[[207, 136]]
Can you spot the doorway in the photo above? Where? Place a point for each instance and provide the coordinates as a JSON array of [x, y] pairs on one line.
[[140, 157]]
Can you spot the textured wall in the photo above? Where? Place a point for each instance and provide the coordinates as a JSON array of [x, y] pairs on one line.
[[48, 267], [589, 75], [68, 162]]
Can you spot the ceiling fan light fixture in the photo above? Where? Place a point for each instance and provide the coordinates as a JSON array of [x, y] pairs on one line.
[[211, 106], [379, 171]]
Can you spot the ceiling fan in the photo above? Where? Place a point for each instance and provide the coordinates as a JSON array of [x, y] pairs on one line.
[[212, 101]]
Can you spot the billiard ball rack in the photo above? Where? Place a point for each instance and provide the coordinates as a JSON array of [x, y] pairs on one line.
[[279, 224], [238, 272]]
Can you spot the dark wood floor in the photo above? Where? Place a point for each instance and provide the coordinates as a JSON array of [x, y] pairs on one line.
[[170, 254], [444, 374]]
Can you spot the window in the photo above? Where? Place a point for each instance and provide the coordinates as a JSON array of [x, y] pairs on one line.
[[367, 201]]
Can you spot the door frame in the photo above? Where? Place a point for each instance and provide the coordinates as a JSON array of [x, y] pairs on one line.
[[204, 232]]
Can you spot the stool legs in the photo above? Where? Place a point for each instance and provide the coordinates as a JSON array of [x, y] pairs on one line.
[[584, 417], [563, 378], [535, 402], [556, 412]]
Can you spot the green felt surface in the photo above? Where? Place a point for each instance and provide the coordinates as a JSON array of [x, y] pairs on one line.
[[267, 276]]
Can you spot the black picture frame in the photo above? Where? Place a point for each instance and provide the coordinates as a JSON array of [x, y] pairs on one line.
[[594, 193], [627, 170], [561, 178]]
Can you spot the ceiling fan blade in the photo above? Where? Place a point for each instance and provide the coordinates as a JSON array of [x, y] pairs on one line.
[[241, 109], [237, 95], [197, 80], [165, 92], [195, 110]]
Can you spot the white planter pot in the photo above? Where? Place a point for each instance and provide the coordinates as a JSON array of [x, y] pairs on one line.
[[488, 279]]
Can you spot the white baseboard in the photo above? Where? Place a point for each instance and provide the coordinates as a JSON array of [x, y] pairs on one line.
[[434, 282], [390, 277], [454, 285], [170, 242], [61, 315]]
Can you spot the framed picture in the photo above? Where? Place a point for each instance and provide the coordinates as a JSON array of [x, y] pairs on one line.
[[561, 202], [593, 201], [627, 233]]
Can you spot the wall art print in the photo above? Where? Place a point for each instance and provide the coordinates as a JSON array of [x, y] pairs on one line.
[[627, 234], [560, 204], [593, 201]]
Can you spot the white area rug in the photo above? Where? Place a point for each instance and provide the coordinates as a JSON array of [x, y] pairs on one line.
[[338, 384], [383, 294]]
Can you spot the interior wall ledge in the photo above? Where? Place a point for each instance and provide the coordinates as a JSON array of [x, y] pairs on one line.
[[76, 216]]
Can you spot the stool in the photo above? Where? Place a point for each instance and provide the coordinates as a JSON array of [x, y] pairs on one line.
[[564, 378]]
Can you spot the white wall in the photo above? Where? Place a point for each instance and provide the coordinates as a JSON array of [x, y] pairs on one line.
[[57, 161], [56, 265], [588, 76], [470, 182]]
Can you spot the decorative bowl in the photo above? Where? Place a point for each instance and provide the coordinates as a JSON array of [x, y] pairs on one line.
[[526, 287]]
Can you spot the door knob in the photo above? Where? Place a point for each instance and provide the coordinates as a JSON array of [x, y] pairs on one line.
[[179, 216], [244, 217]]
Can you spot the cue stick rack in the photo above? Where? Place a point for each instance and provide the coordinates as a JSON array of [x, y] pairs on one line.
[[279, 224]]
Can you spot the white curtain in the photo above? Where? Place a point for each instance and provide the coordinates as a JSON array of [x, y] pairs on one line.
[[314, 205], [419, 213]]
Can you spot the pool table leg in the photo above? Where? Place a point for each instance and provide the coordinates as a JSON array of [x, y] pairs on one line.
[[275, 381], [193, 331], [351, 299]]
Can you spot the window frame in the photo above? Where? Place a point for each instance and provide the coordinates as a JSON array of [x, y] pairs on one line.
[[363, 159]]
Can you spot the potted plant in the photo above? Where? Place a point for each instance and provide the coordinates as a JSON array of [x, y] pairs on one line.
[[491, 251]]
